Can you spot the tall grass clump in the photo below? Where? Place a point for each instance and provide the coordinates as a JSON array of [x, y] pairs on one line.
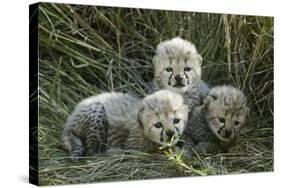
[[85, 50]]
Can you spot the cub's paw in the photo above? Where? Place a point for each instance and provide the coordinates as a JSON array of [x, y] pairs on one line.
[[75, 157], [115, 151]]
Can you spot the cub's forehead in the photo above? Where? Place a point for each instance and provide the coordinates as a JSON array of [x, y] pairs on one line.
[[229, 98], [159, 108], [163, 100], [233, 109], [176, 47]]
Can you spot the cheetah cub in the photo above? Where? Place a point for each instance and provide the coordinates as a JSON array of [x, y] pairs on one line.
[[214, 126], [118, 120], [177, 67]]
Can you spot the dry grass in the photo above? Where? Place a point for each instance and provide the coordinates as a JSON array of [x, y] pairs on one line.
[[85, 50]]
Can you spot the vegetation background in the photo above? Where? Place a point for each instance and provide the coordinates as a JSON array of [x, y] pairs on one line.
[[85, 50]]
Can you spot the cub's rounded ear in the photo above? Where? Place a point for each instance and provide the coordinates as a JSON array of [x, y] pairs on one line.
[[140, 117], [208, 99]]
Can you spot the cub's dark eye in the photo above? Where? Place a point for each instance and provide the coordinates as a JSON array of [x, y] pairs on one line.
[[236, 123], [185, 60], [169, 69], [158, 125], [222, 120], [176, 121], [187, 69]]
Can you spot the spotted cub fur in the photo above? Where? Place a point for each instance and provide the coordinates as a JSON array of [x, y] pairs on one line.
[[177, 67], [118, 120], [214, 126]]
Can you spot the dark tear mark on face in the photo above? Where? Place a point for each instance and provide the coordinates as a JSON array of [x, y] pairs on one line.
[[187, 78], [219, 131], [169, 82], [161, 136], [177, 129]]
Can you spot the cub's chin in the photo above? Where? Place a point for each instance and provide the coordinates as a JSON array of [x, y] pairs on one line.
[[224, 139], [180, 89], [176, 88], [175, 141], [179, 85]]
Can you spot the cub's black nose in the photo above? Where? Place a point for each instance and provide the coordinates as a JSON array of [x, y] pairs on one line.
[[170, 133], [178, 78], [228, 132]]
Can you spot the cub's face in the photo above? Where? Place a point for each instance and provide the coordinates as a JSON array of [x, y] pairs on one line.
[[163, 117], [177, 65], [226, 112]]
